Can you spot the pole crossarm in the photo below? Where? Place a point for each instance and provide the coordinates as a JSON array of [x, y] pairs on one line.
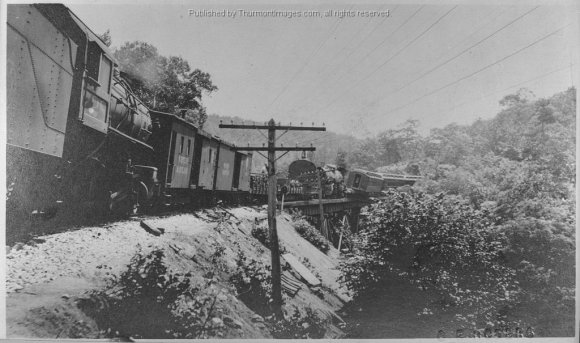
[[275, 127], [278, 148]]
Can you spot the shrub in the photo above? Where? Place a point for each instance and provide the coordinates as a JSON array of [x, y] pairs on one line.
[[443, 246], [253, 282], [148, 301], [312, 235], [299, 326], [262, 234]]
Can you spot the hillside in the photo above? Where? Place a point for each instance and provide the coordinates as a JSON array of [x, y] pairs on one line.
[[195, 280]]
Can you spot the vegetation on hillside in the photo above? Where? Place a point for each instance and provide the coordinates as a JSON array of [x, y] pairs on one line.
[[492, 223]]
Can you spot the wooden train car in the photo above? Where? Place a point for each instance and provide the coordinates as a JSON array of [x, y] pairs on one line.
[[364, 181], [398, 180], [194, 166]]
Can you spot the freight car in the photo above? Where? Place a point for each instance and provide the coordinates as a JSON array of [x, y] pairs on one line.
[[372, 183], [196, 167], [79, 139]]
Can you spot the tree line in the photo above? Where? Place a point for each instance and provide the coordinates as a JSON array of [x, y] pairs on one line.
[[491, 225]]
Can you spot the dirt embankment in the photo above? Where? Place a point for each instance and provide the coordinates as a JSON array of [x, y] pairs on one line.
[[198, 278]]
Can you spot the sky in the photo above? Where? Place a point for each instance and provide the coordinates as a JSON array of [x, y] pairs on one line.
[[436, 63]]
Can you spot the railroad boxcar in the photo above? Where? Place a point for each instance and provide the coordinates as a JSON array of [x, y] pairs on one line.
[[194, 166], [231, 181]]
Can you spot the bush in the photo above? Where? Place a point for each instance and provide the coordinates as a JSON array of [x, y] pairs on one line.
[[298, 326], [253, 282], [443, 246], [262, 233], [312, 235], [148, 301]]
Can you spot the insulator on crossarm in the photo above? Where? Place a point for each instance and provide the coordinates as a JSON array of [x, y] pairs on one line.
[[300, 123], [221, 121], [323, 124]]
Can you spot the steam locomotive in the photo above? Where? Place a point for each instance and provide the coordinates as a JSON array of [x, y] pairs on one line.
[[78, 137]]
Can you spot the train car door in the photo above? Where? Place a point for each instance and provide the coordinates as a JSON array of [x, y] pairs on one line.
[[225, 170], [182, 145], [245, 170], [237, 168], [208, 163]]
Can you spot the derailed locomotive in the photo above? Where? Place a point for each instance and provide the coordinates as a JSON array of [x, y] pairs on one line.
[[78, 138]]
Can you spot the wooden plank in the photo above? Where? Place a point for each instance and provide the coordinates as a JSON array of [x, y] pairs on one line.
[[301, 269]]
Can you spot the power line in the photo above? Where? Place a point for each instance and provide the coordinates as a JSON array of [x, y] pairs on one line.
[[307, 61], [463, 51], [382, 42], [338, 54], [475, 72], [512, 86], [389, 59], [480, 27]]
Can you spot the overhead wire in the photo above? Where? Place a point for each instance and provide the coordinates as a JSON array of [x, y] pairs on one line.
[[463, 51], [381, 43], [306, 62], [389, 59], [554, 71], [479, 28], [475, 72]]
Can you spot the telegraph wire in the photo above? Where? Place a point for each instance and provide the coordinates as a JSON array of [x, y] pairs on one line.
[[475, 72], [457, 44], [360, 42], [463, 51], [338, 54], [388, 60], [510, 87], [383, 41], [306, 62]]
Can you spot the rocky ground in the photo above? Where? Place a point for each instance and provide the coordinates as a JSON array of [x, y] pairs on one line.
[[50, 277]]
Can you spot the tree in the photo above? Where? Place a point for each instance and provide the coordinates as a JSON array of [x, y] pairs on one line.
[[522, 96], [165, 83], [106, 37]]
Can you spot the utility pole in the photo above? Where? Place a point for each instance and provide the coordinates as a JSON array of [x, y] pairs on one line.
[[320, 208], [271, 149]]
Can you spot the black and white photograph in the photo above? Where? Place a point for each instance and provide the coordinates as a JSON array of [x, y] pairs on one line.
[[242, 170]]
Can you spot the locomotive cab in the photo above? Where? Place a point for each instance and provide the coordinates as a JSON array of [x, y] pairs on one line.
[[97, 87]]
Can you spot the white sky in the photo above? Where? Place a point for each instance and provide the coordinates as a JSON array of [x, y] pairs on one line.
[[355, 74]]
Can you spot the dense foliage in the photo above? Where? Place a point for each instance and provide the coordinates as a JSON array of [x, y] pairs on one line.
[[439, 244], [253, 282], [312, 235], [262, 233], [149, 301], [507, 181]]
